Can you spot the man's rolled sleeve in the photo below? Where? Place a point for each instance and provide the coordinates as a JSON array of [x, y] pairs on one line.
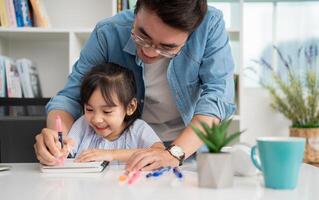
[[66, 104], [214, 106], [216, 74]]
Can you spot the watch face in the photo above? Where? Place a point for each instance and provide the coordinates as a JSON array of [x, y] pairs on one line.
[[177, 151]]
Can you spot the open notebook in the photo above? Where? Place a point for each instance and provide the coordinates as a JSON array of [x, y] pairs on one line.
[[70, 166]]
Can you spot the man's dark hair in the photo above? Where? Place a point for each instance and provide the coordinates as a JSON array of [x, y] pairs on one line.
[[111, 79], [184, 15]]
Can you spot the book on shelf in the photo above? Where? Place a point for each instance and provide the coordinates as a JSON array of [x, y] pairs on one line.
[[3, 14], [18, 12], [125, 4], [26, 14], [12, 22], [29, 78], [23, 13], [3, 89], [2, 111], [119, 5], [35, 81], [35, 110], [40, 16], [15, 111], [131, 4], [12, 78], [19, 78]]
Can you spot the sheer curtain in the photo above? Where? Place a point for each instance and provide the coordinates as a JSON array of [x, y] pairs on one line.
[[290, 26]]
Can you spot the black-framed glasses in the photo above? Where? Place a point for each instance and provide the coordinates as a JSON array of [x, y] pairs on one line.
[[148, 44]]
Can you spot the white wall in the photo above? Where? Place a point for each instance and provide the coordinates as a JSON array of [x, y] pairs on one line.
[[259, 118]]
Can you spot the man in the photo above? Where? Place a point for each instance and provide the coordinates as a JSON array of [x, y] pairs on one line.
[[180, 55]]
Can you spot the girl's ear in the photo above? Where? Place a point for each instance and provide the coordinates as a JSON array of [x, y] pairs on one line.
[[131, 107]]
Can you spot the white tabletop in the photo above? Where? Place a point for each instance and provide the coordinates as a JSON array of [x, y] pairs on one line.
[[25, 182]]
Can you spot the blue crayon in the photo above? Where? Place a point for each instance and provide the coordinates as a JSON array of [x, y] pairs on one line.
[[158, 172], [149, 175], [177, 172]]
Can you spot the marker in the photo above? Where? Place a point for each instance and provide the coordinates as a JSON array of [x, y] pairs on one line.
[[158, 172], [123, 177], [149, 174], [59, 129], [177, 172], [135, 177]]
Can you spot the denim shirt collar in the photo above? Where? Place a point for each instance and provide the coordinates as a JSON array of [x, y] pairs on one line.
[[130, 48]]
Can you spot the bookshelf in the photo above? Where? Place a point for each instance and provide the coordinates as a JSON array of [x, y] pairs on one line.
[[55, 49]]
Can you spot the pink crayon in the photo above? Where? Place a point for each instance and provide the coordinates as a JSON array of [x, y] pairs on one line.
[[135, 177]]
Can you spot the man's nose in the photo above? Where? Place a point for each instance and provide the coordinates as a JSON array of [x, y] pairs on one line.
[[150, 51]]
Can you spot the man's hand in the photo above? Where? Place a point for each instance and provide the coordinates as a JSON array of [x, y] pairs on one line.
[[48, 148], [150, 159], [95, 155]]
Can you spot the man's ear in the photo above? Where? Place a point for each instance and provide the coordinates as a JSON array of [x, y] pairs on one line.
[[131, 107]]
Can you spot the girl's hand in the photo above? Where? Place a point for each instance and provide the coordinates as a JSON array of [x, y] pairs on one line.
[[95, 155]]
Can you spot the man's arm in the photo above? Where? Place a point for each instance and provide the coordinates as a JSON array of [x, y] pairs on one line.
[[188, 139], [112, 154], [154, 158]]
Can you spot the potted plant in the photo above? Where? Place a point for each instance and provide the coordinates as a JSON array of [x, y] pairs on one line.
[[296, 95], [215, 167]]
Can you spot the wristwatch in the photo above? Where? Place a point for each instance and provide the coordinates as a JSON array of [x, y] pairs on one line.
[[177, 152]]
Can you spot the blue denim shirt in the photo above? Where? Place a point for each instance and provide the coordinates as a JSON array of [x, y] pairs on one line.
[[200, 77]]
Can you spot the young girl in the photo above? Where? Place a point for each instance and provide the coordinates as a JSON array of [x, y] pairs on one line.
[[110, 128]]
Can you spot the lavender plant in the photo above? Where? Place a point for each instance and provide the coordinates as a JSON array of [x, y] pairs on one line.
[[297, 96]]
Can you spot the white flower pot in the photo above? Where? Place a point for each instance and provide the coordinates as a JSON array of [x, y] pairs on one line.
[[215, 170]]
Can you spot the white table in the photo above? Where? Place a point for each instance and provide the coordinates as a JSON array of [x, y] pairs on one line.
[[25, 182]]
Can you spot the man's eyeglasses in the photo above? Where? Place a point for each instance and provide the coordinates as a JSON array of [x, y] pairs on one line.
[[148, 44]]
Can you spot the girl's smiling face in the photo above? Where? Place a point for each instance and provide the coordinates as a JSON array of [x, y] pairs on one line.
[[107, 121]]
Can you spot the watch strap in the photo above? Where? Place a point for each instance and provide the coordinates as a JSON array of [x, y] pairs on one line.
[[179, 158]]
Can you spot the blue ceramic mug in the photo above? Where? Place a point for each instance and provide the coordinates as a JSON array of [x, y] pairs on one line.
[[279, 160]]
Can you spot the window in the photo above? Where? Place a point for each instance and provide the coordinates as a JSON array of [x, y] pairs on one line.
[[287, 25]]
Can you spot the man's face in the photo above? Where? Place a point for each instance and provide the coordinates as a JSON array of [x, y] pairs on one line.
[[161, 39]]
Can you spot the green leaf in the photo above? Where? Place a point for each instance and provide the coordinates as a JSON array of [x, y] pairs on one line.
[[206, 128], [232, 137], [225, 124], [219, 135], [211, 146]]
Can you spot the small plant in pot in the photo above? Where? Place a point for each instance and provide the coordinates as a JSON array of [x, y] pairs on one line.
[[215, 167]]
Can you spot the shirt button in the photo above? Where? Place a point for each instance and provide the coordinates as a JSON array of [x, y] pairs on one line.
[[142, 100]]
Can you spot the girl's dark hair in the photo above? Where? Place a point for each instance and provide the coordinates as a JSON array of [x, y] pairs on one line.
[[184, 15], [111, 79]]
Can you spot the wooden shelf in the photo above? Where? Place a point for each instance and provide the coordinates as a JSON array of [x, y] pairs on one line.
[[44, 30], [23, 101]]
